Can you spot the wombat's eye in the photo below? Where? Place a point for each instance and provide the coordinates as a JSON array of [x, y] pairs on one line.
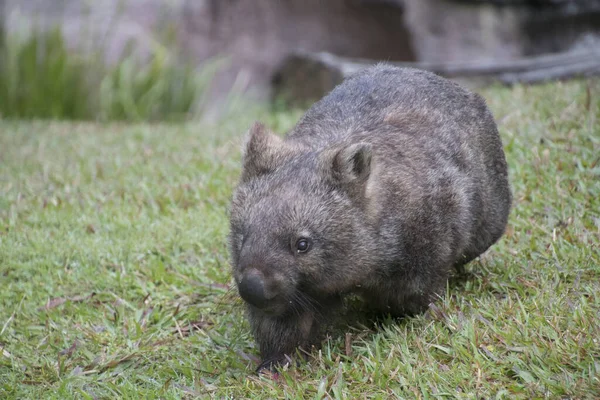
[[302, 245]]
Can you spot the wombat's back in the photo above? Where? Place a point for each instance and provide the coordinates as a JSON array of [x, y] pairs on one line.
[[423, 128], [360, 101]]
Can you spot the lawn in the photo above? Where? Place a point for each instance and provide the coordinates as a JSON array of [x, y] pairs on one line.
[[115, 283]]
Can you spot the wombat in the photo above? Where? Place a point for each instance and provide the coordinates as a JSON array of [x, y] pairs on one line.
[[384, 185]]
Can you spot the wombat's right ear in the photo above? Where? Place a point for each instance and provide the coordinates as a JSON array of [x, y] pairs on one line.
[[263, 152], [349, 164]]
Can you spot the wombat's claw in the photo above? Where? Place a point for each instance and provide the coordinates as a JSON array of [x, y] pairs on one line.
[[272, 364]]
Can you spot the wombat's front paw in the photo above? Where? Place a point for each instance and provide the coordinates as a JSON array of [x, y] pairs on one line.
[[272, 364], [279, 338]]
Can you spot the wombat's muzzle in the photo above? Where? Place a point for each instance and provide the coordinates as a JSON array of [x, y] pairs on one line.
[[252, 289]]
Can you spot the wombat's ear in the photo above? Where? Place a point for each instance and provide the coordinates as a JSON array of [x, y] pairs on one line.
[[349, 164], [263, 152]]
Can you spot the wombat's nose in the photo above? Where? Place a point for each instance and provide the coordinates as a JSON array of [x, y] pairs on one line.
[[252, 288]]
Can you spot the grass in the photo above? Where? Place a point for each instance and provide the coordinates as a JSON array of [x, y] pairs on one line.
[[115, 282], [41, 78]]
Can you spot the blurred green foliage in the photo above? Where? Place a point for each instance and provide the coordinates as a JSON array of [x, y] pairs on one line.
[[41, 78]]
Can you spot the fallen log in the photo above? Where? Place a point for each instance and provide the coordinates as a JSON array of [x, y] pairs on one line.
[[304, 77]]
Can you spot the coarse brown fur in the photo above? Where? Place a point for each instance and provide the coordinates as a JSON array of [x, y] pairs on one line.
[[391, 180]]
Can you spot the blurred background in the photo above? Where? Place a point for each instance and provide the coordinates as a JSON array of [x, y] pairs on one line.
[[182, 59]]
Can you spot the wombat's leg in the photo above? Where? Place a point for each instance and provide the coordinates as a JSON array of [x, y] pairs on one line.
[[279, 337], [399, 301], [397, 305], [460, 268], [459, 265]]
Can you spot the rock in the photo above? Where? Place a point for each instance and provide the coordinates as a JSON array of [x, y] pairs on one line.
[[477, 30], [306, 77]]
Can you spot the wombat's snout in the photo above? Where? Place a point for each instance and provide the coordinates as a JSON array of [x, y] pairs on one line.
[[254, 289]]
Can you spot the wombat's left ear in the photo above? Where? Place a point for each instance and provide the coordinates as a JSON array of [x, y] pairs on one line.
[[349, 164], [263, 151]]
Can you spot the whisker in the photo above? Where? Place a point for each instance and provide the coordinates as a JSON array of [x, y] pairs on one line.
[[308, 303], [296, 306]]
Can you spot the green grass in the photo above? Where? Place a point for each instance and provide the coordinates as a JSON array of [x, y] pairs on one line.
[[41, 78], [114, 276]]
